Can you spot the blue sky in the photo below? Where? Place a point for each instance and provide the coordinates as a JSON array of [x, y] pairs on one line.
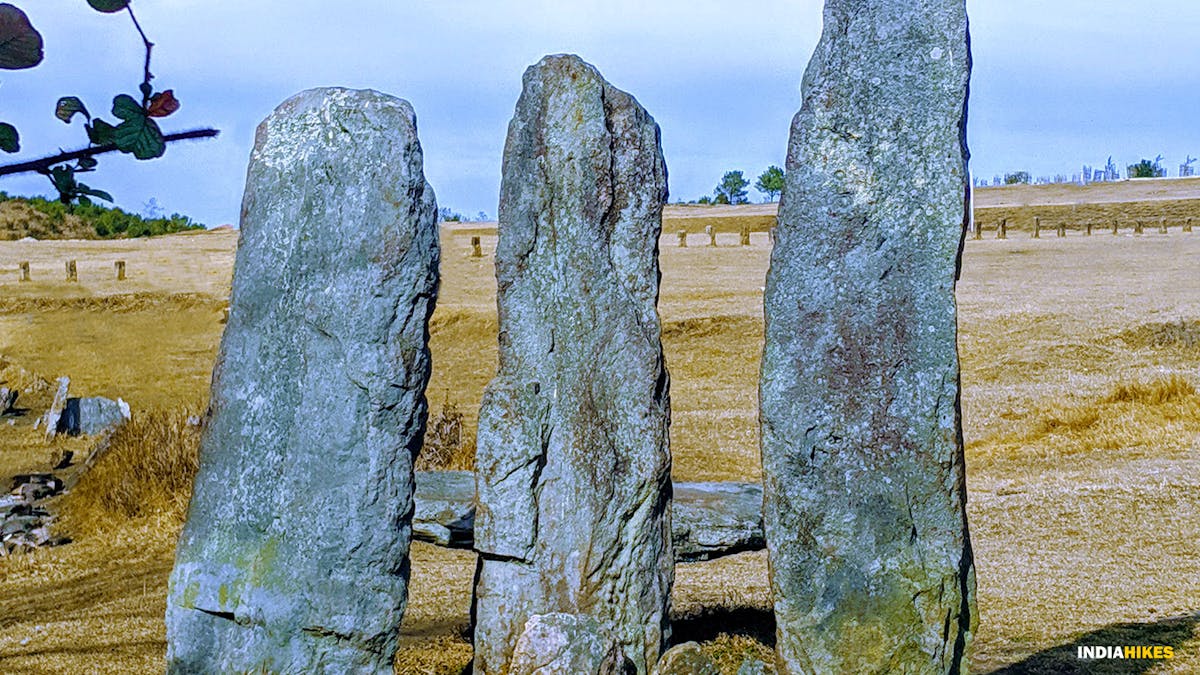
[[1056, 84]]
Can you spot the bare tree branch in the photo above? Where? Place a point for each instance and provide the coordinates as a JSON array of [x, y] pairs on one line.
[[43, 165]]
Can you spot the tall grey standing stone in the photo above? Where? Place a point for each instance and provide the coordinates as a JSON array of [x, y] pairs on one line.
[[294, 558], [864, 489], [573, 464]]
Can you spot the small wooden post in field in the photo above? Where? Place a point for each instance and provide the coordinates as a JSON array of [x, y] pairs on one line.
[[476, 249], [72, 275], [1002, 229], [683, 239], [1114, 226], [712, 235], [746, 234], [1088, 231], [1187, 225], [1137, 227], [1062, 229], [1162, 225], [1037, 227], [978, 230], [119, 266], [24, 270]]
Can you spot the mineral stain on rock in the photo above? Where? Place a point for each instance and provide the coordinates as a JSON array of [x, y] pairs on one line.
[[573, 465], [294, 557], [864, 488]]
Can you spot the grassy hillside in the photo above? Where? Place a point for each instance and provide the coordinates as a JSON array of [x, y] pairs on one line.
[[39, 218]]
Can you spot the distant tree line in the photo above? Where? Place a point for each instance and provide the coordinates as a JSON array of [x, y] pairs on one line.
[[109, 223]]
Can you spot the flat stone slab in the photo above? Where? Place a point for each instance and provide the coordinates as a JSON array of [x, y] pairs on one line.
[[709, 520]]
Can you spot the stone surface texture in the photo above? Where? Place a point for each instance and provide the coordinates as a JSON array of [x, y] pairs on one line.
[[573, 461], [864, 488], [294, 557], [566, 644]]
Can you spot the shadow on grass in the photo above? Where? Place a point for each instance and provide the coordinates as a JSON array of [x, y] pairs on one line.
[[1062, 660], [710, 622]]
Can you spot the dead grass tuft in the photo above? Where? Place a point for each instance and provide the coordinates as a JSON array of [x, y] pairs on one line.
[[728, 651], [146, 468], [1163, 413], [14, 376], [449, 445], [1183, 335], [442, 655], [1170, 389]]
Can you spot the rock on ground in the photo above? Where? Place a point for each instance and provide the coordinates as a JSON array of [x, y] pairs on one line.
[[861, 433], [685, 659], [573, 460], [294, 557]]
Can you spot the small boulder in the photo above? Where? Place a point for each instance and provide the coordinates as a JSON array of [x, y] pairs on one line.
[[8, 398], [92, 415], [686, 659]]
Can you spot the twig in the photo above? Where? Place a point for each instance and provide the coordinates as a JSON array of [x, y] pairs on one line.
[[43, 165], [146, 76]]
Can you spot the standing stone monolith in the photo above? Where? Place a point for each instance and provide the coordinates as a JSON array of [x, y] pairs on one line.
[[864, 489], [294, 558], [573, 464]]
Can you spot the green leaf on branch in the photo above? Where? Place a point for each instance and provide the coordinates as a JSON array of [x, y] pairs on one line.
[[137, 134], [87, 163], [82, 189], [68, 106], [20, 43], [101, 133], [63, 178], [108, 6], [10, 140]]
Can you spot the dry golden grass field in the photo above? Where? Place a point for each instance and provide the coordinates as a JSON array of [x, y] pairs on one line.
[[1081, 364]]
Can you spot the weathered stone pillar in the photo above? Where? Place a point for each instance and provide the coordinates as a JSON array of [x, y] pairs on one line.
[[119, 269], [864, 487], [476, 248], [24, 267], [294, 557], [573, 465], [72, 274]]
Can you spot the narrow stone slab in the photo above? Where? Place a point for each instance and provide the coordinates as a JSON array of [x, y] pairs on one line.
[[708, 520], [871, 565], [573, 461], [294, 558], [49, 421]]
